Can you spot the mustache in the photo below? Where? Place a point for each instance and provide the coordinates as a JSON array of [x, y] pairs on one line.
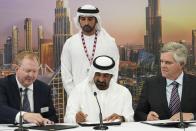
[[87, 28], [29, 77], [101, 83]]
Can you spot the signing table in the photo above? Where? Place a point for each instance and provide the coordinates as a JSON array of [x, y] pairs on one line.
[[127, 126]]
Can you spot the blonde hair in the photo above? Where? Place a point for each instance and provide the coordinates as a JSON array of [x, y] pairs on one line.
[[25, 54]]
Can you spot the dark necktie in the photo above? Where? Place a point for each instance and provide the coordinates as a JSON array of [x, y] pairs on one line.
[[174, 104], [26, 104]]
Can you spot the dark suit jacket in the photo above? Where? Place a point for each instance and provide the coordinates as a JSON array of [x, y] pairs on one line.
[[153, 98], [10, 100]]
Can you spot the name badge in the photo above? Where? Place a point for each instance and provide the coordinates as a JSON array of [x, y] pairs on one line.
[[44, 109]]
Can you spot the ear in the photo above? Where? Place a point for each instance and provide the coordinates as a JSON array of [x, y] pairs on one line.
[[16, 67], [182, 64]]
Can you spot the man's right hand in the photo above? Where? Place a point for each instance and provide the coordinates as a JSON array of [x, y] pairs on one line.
[[81, 117], [152, 116], [36, 118]]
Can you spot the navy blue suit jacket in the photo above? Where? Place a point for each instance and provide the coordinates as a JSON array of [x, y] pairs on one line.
[[10, 100], [153, 98]]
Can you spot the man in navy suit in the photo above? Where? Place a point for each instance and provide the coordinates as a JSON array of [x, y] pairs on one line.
[[163, 97], [39, 107]]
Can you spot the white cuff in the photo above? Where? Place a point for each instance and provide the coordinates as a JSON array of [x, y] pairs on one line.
[[17, 119]]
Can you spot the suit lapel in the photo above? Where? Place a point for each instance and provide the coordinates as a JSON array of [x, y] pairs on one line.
[[184, 90], [162, 85], [15, 90], [36, 98]]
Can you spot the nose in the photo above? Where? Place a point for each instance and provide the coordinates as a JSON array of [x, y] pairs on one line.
[[31, 73], [86, 21], [101, 78]]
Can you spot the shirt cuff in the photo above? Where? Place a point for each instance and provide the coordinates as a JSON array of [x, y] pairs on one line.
[[17, 119], [194, 116]]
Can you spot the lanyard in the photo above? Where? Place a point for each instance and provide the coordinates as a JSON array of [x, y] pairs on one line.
[[90, 58]]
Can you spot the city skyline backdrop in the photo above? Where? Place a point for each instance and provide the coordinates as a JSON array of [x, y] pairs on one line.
[[123, 20]]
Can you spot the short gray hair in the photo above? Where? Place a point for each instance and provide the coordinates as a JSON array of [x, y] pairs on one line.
[[179, 51]]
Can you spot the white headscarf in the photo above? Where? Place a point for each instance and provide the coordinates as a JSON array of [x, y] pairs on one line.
[[88, 10], [102, 64]]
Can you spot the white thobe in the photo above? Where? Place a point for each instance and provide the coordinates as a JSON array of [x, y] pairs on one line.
[[74, 62], [116, 99]]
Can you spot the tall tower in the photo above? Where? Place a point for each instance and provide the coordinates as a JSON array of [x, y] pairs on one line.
[[46, 50], [8, 51], [40, 32], [194, 45], [153, 37], [28, 34], [122, 52], [15, 41], [61, 29]]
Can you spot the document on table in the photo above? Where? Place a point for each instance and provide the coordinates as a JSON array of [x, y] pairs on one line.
[[5, 127], [107, 123], [166, 122]]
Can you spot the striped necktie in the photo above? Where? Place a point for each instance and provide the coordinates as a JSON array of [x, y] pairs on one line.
[[174, 104], [26, 104]]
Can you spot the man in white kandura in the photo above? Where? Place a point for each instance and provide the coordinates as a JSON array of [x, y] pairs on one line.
[[80, 49], [115, 100]]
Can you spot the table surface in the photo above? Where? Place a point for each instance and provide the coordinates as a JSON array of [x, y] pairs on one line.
[[127, 126]]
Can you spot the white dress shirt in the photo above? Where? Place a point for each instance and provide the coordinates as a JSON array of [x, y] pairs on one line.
[[30, 97]]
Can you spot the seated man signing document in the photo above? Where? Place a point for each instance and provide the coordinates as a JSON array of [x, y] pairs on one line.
[[115, 100]]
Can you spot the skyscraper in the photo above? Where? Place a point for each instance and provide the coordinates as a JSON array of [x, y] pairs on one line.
[[1, 54], [61, 29], [8, 51], [153, 37], [194, 45], [46, 52], [122, 52], [40, 32], [15, 41], [28, 34]]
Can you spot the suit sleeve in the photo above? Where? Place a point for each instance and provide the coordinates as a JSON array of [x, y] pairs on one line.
[[7, 113], [143, 106]]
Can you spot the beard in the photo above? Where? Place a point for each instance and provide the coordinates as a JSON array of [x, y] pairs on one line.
[[101, 85], [88, 28]]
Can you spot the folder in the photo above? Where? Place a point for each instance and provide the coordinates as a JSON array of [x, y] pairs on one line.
[[53, 127], [97, 123], [167, 123]]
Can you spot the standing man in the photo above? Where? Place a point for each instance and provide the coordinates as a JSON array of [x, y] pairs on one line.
[[37, 105], [79, 50], [115, 100], [163, 97]]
